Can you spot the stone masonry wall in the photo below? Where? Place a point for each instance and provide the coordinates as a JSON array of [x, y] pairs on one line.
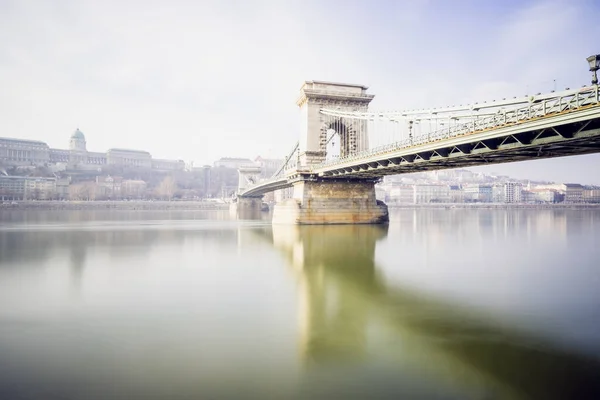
[[332, 202]]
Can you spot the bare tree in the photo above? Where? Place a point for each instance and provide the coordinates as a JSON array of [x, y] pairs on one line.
[[82, 191], [167, 188]]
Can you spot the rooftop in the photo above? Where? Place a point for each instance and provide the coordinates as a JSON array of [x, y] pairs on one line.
[[24, 141], [233, 159], [326, 83], [129, 151], [78, 135]]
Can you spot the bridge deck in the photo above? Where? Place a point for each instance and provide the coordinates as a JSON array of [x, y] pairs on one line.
[[570, 133], [567, 129]]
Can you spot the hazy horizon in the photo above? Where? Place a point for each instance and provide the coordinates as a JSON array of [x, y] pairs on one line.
[[200, 81]]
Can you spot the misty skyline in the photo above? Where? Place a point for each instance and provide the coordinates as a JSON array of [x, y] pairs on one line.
[[202, 80]]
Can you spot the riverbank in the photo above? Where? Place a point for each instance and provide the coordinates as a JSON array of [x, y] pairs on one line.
[[209, 205], [114, 205], [498, 206]]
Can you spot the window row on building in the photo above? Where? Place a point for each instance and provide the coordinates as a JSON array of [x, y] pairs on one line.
[[27, 188], [508, 192], [19, 152]]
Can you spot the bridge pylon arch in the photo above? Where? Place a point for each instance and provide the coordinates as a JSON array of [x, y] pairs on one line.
[[318, 95]]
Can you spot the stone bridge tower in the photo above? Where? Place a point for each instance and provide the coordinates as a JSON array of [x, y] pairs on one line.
[[317, 95], [327, 200], [318, 199]]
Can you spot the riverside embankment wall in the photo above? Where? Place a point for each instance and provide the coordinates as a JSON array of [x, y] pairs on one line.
[[114, 205]]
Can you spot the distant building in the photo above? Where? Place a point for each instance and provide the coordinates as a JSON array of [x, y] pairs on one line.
[[477, 193], [27, 188], [133, 189], [283, 194], [268, 166], [498, 193], [12, 187], [457, 195], [560, 187], [591, 195], [168, 165], [62, 188], [40, 188], [403, 194], [129, 158], [23, 152], [431, 193], [512, 192], [573, 193], [540, 195], [233, 162], [380, 193], [108, 187], [20, 152]]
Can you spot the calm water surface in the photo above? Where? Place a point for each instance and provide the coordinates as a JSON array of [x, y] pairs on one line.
[[440, 304]]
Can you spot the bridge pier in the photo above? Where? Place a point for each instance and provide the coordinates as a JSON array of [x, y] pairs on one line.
[[246, 207], [331, 202]]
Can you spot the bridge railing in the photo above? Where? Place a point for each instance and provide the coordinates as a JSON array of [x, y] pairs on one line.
[[537, 108]]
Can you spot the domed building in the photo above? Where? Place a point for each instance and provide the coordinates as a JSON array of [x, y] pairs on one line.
[[77, 142], [78, 152], [29, 153]]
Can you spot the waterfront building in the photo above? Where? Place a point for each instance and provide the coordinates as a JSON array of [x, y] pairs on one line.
[[512, 192], [133, 188], [560, 187], [478, 193], [528, 197], [537, 196], [380, 193], [12, 187], [108, 187], [402, 194], [27, 188], [457, 195], [591, 195], [283, 194], [543, 195], [573, 193], [431, 193], [62, 188]]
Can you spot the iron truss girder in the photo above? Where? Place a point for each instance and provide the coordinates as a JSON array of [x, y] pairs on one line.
[[573, 133], [516, 147]]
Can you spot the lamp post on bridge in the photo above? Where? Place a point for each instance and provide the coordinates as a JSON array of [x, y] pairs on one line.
[[594, 62]]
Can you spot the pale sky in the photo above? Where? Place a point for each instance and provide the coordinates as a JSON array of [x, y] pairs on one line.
[[199, 80]]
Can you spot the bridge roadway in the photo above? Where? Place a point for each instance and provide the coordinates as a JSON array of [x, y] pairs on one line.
[[568, 129]]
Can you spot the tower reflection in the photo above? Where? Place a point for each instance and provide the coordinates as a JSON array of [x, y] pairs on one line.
[[332, 263], [346, 304]]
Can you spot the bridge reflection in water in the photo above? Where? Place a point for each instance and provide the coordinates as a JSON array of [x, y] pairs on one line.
[[350, 316]]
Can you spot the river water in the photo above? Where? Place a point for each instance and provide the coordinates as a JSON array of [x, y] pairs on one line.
[[440, 304]]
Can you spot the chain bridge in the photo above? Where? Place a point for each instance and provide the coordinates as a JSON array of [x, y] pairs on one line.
[[344, 148]]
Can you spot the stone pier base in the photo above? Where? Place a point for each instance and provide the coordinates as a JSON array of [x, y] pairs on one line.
[[332, 202], [246, 208]]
